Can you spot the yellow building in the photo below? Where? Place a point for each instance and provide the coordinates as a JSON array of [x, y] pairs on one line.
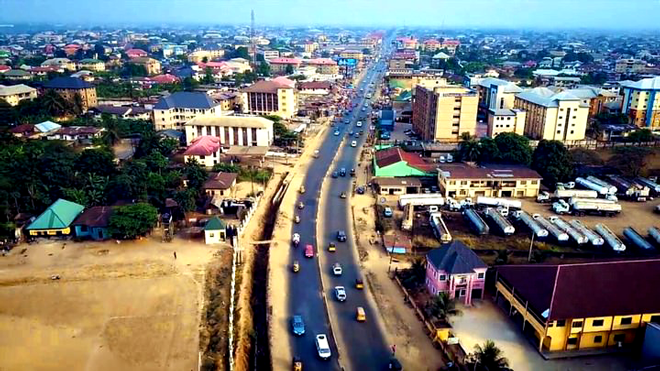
[[506, 121], [459, 180], [70, 87], [64, 63], [351, 54], [444, 112], [630, 66], [553, 116], [151, 65], [13, 94], [91, 65], [272, 97], [590, 306], [198, 55], [641, 101]]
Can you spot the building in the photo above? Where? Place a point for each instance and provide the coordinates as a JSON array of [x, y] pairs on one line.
[[69, 87], [272, 97], [598, 99], [587, 306], [76, 133], [280, 65], [641, 101], [456, 270], [17, 75], [47, 127], [351, 54], [553, 116], [55, 220], [198, 56], [494, 94], [459, 180], [215, 231], [173, 50], [270, 54], [91, 65], [93, 223], [235, 130], [174, 110], [395, 162], [444, 112], [630, 66], [431, 45], [220, 184], [450, 45], [324, 66], [150, 65], [13, 94], [397, 186], [506, 121], [64, 63], [206, 150], [406, 43], [386, 119], [136, 53]]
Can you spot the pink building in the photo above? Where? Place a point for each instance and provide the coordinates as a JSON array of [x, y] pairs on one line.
[[136, 53], [456, 270]]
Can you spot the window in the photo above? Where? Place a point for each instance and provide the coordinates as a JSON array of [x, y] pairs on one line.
[[572, 341], [443, 277], [598, 339], [461, 292], [576, 324], [626, 320], [597, 322], [211, 235], [480, 275], [619, 338], [655, 319]]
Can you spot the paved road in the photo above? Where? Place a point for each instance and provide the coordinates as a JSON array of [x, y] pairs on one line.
[[305, 286]]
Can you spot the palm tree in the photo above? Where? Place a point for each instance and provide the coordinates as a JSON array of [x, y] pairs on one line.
[[417, 274], [441, 307], [55, 105], [111, 134], [469, 150], [488, 357]]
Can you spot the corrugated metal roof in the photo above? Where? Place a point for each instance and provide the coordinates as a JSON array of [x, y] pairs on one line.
[[59, 215], [455, 258], [186, 99]]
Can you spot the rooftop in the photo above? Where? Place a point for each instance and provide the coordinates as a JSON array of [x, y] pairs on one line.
[[67, 83], [220, 180], [59, 215], [546, 97], [96, 216], [489, 172], [285, 61], [643, 84], [455, 258], [267, 86], [215, 224], [241, 121], [205, 145], [394, 155], [509, 87], [15, 89], [185, 99]]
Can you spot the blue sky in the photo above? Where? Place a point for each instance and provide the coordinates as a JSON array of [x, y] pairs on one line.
[[598, 14]]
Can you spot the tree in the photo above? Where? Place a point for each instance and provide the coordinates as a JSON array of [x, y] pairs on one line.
[[131, 221], [53, 104], [641, 135], [524, 73], [8, 114], [226, 167], [487, 358], [469, 148], [264, 69], [186, 199], [586, 157], [630, 161], [553, 161], [195, 174], [208, 76], [156, 162], [289, 69], [441, 307], [502, 257], [99, 161], [417, 274], [488, 151], [513, 148], [205, 60]]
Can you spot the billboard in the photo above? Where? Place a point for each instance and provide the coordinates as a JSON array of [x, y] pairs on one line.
[[350, 62]]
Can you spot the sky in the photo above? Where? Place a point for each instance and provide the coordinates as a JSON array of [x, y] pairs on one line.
[[512, 14]]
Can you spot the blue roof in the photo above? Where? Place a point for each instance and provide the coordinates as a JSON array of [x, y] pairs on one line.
[[67, 83], [47, 126], [455, 258], [185, 99]]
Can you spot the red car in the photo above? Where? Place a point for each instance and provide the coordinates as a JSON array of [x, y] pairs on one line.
[[309, 251]]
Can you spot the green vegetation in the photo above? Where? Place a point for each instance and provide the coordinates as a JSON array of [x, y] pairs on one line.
[[487, 357], [131, 221], [630, 161], [283, 136], [553, 161], [45, 107], [441, 307], [506, 148]]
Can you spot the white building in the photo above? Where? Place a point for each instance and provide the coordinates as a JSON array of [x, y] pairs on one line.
[[174, 110], [234, 130]]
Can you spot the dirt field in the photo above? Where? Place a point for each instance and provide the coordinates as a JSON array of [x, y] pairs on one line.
[[128, 306]]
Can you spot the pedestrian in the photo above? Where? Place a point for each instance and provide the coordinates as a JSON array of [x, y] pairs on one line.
[[175, 255]]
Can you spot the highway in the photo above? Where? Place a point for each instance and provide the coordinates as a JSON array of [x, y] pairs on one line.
[[365, 342]]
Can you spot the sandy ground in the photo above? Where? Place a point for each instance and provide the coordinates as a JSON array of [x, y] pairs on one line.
[[485, 321], [128, 306]]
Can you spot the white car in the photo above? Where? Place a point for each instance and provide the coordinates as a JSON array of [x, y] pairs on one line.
[[353, 144], [359, 124], [322, 346], [340, 293], [337, 133], [336, 269]]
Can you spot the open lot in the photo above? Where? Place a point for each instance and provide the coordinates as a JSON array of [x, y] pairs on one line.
[[128, 306]]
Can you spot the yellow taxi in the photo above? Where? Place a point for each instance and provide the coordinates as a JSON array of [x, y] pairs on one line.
[[359, 284], [360, 315], [296, 266], [332, 247]]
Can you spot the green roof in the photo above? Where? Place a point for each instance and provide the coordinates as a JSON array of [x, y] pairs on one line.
[[59, 215], [215, 224], [90, 60], [4, 54]]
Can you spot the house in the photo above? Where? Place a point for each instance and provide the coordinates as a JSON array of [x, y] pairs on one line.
[[206, 150], [47, 127], [220, 184], [136, 53], [280, 65], [76, 133], [459, 180], [93, 223], [13, 94], [55, 220], [456, 270], [150, 65], [70, 87], [215, 231], [17, 75], [91, 65], [232, 130], [397, 186], [566, 308], [64, 63], [23, 131], [395, 162], [165, 79], [174, 110], [324, 66]]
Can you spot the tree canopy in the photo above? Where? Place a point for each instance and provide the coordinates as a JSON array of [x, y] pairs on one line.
[[487, 357], [553, 162], [513, 149], [131, 221]]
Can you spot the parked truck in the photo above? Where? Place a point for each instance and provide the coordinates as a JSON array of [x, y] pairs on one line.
[[655, 234], [533, 226], [629, 189], [612, 240], [583, 206], [593, 186], [573, 233], [637, 240], [565, 194], [611, 190], [595, 239], [440, 228], [501, 202], [558, 234], [502, 224], [476, 222], [421, 200], [655, 188]]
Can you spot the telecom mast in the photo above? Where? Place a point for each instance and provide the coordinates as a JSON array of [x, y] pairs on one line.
[[253, 42]]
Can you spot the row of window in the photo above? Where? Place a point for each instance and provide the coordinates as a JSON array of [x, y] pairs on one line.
[[600, 322]]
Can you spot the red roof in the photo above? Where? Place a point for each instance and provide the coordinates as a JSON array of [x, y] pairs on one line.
[[4, 68], [203, 146], [134, 53], [165, 79], [295, 61], [320, 61], [451, 42], [394, 155], [22, 129], [432, 42]]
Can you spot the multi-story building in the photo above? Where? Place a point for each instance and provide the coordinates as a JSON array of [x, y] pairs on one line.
[[506, 121], [70, 87], [64, 63], [210, 54], [351, 54], [494, 94], [136, 53], [456, 270], [603, 306], [170, 50], [444, 112], [324, 66], [151, 65], [271, 54], [553, 116], [431, 45], [174, 110], [232, 130], [91, 65], [272, 97], [13, 94], [629, 66], [461, 180], [595, 97], [641, 101], [450, 45], [280, 65], [406, 43]]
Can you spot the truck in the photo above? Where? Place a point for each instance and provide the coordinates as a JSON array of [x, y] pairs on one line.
[[610, 188], [421, 200], [629, 189], [495, 202], [476, 223], [655, 188], [558, 234], [533, 226], [595, 239], [612, 240], [593, 186], [580, 207], [655, 234], [440, 228], [637, 240], [565, 194], [502, 224], [574, 234]]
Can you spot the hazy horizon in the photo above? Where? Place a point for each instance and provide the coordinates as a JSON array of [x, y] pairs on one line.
[[505, 14]]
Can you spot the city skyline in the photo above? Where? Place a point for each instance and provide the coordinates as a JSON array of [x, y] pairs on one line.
[[507, 14]]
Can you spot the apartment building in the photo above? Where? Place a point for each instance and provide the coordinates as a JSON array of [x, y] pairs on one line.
[[210, 54], [506, 121], [272, 97], [270, 54], [494, 94], [568, 308], [444, 112], [629, 66], [406, 43], [232, 130], [91, 65], [461, 180], [69, 87], [151, 65], [450, 45], [279, 65], [351, 54], [431, 45], [64, 63], [553, 116], [641, 101], [324, 66], [174, 110], [13, 94]]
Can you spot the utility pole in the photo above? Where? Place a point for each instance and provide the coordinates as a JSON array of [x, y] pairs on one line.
[[253, 43]]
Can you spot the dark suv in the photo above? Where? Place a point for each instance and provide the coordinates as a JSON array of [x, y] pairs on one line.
[[341, 236]]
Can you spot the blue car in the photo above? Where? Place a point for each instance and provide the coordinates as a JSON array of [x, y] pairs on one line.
[[298, 325]]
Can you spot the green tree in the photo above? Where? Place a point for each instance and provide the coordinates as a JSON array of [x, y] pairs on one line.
[[54, 104], [226, 167], [469, 148], [502, 257], [441, 307], [8, 114], [487, 358], [186, 199], [131, 221], [195, 174], [552, 161], [513, 148], [208, 76], [156, 162], [417, 274], [263, 69], [641, 135], [289, 69], [488, 151], [586, 157]]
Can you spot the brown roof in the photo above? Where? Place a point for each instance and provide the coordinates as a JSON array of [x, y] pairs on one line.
[[96, 216], [588, 290], [390, 182], [393, 155], [501, 172], [314, 85], [265, 87], [220, 180]]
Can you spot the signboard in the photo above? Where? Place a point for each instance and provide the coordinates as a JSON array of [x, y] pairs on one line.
[[350, 62]]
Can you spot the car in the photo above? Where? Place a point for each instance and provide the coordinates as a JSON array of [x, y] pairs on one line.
[[352, 172], [335, 174], [388, 212], [342, 195], [309, 251], [359, 284], [359, 124], [297, 364], [354, 143], [347, 121], [301, 205], [360, 190], [322, 346], [336, 269], [357, 135], [336, 133], [360, 314], [341, 236], [340, 293], [342, 171], [332, 247], [364, 109], [351, 132], [295, 267], [297, 325], [296, 219]]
